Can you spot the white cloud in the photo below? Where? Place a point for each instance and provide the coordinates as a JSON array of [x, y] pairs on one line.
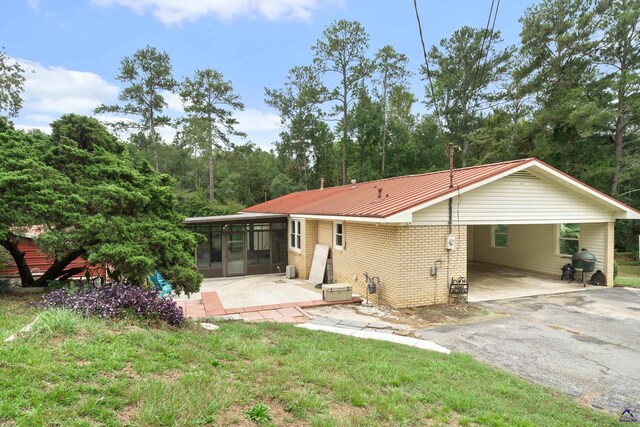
[[34, 5], [54, 89], [257, 120], [171, 12], [167, 133], [174, 102], [26, 128], [40, 118]]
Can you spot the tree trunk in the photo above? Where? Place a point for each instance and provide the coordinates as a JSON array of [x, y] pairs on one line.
[[152, 142], [384, 132], [618, 142], [57, 269], [18, 257], [344, 135], [212, 194], [465, 152], [211, 180]]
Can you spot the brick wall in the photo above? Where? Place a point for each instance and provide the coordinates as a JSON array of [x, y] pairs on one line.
[[301, 259], [422, 247], [401, 256]]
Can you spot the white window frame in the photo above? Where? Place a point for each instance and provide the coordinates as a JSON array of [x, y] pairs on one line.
[[295, 235], [558, 238], [493, 236], [336, 234]]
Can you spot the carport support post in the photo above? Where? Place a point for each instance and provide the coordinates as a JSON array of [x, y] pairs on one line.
[[609, 233]]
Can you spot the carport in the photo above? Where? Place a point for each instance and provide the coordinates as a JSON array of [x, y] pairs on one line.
[[494, 282], [516, 230], [512, 260]]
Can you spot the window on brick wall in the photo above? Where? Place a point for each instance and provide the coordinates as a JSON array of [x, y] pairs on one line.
[[294, 231], [338, 235]]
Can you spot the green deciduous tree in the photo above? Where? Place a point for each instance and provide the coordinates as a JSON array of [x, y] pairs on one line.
[[342, 50], [282, 184], [92, 199], [209, 101], [11, 85], [147, 73]]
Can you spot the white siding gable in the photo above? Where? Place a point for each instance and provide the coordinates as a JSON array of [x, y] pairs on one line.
[[519, 198]]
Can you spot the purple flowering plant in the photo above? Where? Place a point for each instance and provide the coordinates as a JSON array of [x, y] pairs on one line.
[[115, 300]]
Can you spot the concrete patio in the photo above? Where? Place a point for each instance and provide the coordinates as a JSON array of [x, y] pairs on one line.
[[491, 282], [255, 298]]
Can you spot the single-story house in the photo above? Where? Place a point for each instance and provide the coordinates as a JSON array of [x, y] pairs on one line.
[[521, 214]]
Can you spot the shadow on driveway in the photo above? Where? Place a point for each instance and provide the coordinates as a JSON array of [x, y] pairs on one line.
[[585, 344]]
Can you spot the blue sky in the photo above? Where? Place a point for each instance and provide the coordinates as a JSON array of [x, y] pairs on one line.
[[72, 48]]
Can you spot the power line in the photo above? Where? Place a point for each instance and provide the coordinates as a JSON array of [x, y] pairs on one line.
[[426, 63], [493, 25], [482, 53]]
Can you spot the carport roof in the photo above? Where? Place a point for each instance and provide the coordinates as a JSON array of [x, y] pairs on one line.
[[384, 198]]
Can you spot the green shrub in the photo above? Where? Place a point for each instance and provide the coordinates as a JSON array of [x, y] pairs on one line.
[[258, 413]]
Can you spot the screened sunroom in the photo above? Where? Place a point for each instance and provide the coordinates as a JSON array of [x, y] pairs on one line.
[[241, 244]]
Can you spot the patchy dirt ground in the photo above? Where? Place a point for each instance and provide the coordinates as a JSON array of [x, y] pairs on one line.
[[408, 318], [443, 314]]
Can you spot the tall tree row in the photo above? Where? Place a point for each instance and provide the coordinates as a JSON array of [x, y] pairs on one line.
[[567, 92]]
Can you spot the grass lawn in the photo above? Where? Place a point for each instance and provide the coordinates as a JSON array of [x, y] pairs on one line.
[[631, 282], [628, 272], [83, 372]]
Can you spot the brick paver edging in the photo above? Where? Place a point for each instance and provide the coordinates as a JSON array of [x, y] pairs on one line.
[[291, 312]]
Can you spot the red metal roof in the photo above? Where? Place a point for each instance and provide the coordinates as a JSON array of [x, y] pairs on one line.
[[39, 263], [398, 194]]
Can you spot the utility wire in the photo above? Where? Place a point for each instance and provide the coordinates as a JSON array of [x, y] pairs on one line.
[[493, 25], [481, 54], [426, 63], [488, 37]]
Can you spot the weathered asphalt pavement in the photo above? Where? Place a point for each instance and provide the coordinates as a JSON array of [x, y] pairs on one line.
[[585, 344]]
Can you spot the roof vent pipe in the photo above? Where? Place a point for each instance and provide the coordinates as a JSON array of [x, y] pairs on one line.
[[322, 183], [353, 183], [379, 192]]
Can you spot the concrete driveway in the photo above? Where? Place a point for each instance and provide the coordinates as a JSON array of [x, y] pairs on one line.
[[585, 344], [492, 282]]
